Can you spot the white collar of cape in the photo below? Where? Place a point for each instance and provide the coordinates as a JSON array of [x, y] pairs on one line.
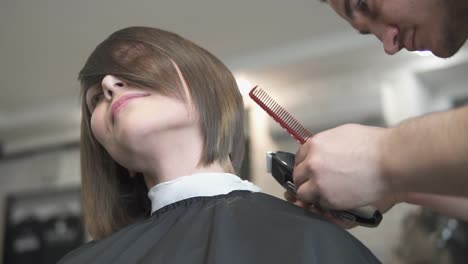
[[196, 185]]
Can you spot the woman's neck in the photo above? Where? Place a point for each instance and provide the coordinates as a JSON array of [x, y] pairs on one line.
[[174, 155]]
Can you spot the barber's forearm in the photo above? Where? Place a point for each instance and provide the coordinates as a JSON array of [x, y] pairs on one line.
[[456, 207], [429, 154]]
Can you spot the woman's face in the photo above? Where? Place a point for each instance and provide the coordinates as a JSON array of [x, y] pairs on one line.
[[127, 119]]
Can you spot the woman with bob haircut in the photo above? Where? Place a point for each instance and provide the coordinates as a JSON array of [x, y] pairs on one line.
[[161, 141]]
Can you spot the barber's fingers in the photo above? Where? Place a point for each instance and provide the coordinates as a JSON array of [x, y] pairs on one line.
[[304, 151], [308, 192], [292, 199], [303, 172]]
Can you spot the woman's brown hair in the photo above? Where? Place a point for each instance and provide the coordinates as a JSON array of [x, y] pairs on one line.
[[145, 57]]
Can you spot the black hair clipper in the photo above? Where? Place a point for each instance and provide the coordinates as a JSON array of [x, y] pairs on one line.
[[281, 165]]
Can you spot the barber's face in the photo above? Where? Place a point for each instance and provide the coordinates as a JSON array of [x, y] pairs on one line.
[[436, 25]]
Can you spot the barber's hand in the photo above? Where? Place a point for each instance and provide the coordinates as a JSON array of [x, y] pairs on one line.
[[382, 205], [341, 168], [344, 224]]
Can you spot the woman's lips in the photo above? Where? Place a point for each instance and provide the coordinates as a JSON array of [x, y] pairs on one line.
[[120, 104]]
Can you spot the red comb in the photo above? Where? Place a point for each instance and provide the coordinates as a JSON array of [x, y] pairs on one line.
[[280, 115]]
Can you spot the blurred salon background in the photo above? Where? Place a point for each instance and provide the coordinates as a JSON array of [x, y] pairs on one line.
[[300, 52]]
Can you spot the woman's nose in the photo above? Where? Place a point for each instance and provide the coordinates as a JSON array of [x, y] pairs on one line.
[[111, 85]]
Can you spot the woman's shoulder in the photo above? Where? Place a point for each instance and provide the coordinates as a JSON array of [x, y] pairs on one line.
[[240, 220], [263, 219], [74, 255], [88, 252]]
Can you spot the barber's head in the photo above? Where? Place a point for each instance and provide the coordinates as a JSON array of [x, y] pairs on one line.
[[440, 26]]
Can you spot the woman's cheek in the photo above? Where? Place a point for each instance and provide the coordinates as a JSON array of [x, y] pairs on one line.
[[97, 127]]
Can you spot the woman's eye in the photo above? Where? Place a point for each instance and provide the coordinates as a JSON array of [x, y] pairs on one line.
[[96, 99]]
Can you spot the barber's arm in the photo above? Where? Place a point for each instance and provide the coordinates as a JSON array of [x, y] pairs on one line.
[[352, 165], [456, 207], [429, 154]]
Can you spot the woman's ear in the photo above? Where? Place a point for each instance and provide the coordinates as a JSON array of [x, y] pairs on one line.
[[132, 174]]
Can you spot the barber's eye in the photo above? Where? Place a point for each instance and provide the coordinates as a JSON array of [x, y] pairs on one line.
[[362, 6]]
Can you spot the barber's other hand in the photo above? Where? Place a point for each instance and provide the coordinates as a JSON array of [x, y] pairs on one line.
[[383, 205], [341, 168], [344, 224]]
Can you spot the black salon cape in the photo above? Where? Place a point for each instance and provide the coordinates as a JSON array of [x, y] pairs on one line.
[[240, 227]]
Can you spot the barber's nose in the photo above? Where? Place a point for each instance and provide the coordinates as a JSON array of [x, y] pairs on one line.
[[390, 39], [112, 85]]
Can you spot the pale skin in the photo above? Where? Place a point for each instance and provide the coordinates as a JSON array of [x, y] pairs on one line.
[[423, 160], [155, 135]]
